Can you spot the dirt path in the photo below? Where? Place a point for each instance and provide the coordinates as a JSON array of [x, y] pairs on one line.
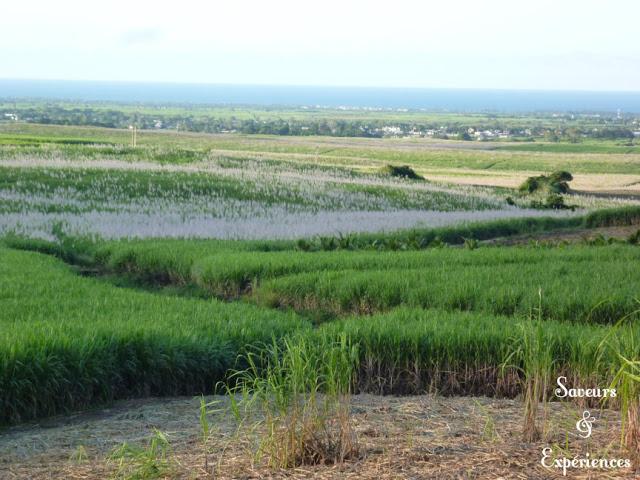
[[416, 437], [571, 236], [597, 184]]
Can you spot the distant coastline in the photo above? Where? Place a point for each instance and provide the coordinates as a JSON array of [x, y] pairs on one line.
[[433, 99]]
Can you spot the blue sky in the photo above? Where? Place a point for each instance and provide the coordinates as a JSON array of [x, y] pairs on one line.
[[559, 44]]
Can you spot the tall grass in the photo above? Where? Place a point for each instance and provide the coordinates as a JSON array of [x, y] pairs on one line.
[[410, 351], [624, 347], [301, 391], [533, 351]]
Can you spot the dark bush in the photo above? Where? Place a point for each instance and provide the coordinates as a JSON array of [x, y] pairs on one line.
[[557, 182], [634, 238], [403, 171], [560, 176], [555, 201], [530, 185]]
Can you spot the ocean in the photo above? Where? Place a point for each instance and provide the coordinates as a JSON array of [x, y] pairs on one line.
[[433, 99]]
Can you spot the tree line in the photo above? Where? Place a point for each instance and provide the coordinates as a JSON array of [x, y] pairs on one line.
[[113, 118]]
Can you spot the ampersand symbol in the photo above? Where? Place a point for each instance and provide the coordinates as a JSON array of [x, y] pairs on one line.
[[584, 424]]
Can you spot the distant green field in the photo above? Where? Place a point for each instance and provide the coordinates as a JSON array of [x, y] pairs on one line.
[[587, 147], [25, 140], [307, 113], [91, 142]]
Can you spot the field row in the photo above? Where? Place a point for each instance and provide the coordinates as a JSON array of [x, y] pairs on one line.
[[69, 342], [492, 280]]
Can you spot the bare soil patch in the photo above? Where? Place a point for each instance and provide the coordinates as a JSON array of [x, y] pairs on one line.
[[610, 184], [418, 437]]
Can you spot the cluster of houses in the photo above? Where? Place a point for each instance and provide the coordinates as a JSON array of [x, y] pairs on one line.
[[493, 134], [444, 132]]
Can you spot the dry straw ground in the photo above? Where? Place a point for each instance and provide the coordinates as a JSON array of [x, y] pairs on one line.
[[420, 437]]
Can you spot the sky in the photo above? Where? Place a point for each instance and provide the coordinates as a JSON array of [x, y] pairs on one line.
[[542, 44]]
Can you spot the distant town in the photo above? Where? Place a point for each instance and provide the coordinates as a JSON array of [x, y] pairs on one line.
[[342, 121]]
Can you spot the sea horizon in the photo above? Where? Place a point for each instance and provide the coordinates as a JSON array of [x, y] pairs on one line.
[[386, 98]]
